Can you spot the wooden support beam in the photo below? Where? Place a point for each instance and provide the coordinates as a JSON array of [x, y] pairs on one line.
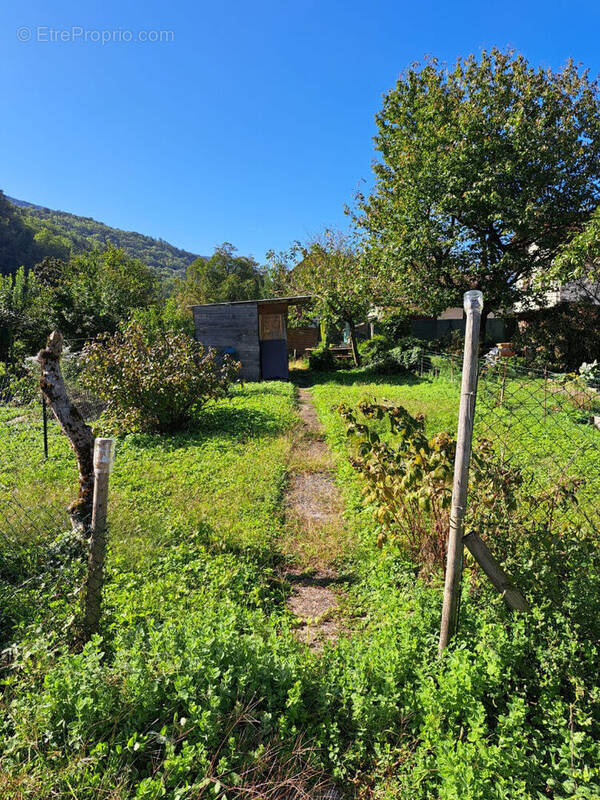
[[500, 580]]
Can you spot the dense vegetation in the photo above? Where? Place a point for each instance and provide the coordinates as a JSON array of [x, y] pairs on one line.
[[198, 683], [59, 234], [486, 167]]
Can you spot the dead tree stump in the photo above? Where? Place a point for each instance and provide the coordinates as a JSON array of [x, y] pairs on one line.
[[79, 434]]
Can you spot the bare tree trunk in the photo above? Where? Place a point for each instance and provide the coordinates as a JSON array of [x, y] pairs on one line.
[[354, 345], [79, 434]]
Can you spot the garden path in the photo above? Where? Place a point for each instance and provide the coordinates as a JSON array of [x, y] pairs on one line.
[[316, 535]]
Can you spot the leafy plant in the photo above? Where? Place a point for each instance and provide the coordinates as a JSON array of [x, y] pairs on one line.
[[153, 383], [322, 359], [380, 357], [409, 482]]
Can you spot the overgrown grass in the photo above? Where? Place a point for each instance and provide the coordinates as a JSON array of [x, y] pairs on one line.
[[197, 685], [513, 710]]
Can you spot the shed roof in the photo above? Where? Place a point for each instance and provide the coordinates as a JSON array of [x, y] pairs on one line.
[[297, 300]]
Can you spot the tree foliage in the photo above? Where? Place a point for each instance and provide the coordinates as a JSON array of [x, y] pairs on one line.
[[17, 246], [485, 168], [91, 294], [60, 234], [222, 278], [96, 292], [578, 262], [329, 269]]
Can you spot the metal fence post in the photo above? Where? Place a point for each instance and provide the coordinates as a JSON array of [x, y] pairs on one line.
[[103, 458], [473, 304]]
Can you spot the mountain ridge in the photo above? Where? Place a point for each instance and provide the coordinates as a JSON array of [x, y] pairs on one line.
[[77, 233]]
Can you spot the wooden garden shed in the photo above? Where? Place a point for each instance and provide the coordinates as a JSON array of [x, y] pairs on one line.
[[253, 331]]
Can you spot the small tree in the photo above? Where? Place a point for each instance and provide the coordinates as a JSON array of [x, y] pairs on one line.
[[485, 168], [330, 270], [155, 382], [578, 263], [222, 278]]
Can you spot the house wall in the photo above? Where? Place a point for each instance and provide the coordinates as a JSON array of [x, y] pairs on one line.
[[231, 326]]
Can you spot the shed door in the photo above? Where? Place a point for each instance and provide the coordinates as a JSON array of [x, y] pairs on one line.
[[273, 347]]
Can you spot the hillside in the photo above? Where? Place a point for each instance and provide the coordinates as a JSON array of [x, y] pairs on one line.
[[58, 233]]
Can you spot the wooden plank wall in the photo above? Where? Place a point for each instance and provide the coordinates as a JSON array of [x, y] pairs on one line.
[[233, 326]]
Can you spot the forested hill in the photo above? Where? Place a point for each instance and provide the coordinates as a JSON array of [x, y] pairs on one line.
[[58, 233]]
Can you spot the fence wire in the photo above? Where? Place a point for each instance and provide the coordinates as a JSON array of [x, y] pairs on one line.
[[540, 423], [38, 472]]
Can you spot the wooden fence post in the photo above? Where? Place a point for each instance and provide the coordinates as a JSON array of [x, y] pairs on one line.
[[103, 457], [500, 580], [473, 304]]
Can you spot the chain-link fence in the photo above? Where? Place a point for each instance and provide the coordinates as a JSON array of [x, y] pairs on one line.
[[38, 474], [541, 425]]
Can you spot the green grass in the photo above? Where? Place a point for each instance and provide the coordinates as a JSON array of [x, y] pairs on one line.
[[197, 677], [534, 427]]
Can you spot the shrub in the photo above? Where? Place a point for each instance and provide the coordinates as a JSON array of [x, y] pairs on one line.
[[561, 337], [408, 353], [405, 357], [395, 327], [373, 349], [322, 359], [408, 482], [153, 382]]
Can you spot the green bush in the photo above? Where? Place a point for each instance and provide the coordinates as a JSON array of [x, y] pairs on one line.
[[405, 357], [322, 359], [395, 328], [154, 382], [373, 349]]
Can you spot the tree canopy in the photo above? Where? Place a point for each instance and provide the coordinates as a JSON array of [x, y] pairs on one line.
[[484, 170], [329, 269], [17, 245], [222, 278]]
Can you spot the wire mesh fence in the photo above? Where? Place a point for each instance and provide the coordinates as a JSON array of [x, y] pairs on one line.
[[38, 476], [541, 424]]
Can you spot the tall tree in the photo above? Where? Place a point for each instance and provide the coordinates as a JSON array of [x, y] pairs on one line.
[[222, 278], [484, 170]]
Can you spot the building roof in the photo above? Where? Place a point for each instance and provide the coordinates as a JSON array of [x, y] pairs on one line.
[[298, 300]]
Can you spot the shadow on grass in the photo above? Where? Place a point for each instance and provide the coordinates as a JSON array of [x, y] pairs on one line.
[[222, 421], [350, 377], [310, 579]]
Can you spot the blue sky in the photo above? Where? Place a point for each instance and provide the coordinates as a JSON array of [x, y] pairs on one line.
[[254, 125]]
